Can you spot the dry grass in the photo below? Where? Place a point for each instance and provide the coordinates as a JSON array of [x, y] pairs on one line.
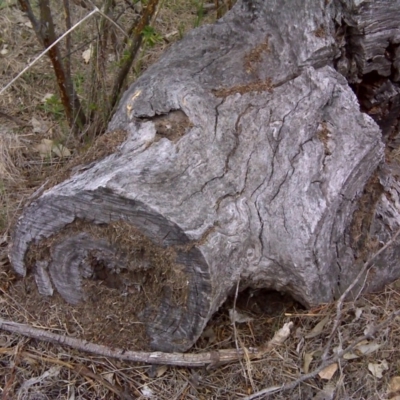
[[22, 169], [12, 179], [31, 369]]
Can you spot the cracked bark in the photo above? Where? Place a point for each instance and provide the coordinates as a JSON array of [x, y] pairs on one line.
[[235, 196]]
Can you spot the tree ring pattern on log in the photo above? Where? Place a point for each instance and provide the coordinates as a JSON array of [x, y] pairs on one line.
[[163, 274]]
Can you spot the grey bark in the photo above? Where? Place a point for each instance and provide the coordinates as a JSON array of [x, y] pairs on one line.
[[248, 154]]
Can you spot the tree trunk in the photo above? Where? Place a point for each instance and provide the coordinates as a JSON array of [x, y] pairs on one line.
[[247, 159]]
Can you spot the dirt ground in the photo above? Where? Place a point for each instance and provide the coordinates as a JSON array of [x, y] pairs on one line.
[[37, 149]]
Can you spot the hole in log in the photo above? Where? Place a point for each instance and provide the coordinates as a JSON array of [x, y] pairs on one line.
[[265, 303], [261, 311], [172, 125]]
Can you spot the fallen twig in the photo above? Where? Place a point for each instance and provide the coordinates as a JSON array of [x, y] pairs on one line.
[[217, 357]]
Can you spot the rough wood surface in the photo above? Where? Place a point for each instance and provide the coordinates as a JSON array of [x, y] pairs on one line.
[[247, 157]]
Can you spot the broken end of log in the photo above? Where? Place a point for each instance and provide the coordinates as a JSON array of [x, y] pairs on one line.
[[124, 247]]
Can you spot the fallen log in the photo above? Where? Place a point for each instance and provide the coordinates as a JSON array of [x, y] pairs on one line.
[[247, 159]]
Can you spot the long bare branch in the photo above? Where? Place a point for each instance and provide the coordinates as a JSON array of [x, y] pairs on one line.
[[214, 358], [46, 50]]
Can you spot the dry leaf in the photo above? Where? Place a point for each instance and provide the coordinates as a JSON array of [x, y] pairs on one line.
[[281, 335], [109, 377], [394, 388], [87, 54], [378, 369], [61, 151], [317, 328], [161, 370], [308, 357], [369, 330], [171, 34], [328, 372], [358, 313], [39, 126], [368, 348], [363, 348], [147, 392], [350, 356], [47, 146], [44, 147]]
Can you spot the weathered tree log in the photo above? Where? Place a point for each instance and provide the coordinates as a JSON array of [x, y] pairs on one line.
[[247, 159]]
